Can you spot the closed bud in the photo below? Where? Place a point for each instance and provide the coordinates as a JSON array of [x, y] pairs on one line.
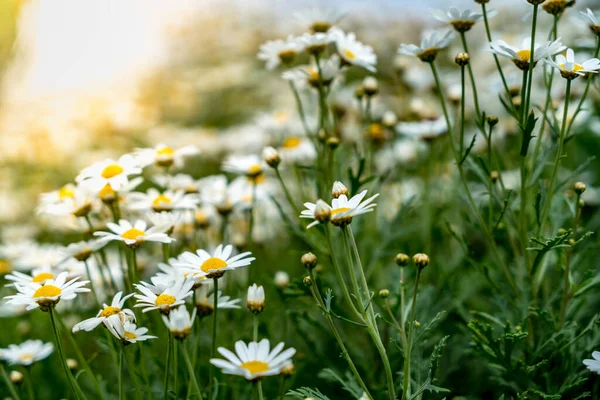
[[562, 231], [16, 377], [72, 364], [384, 293], [417, 324], [282, 279], [370, 86], [482, 1], [389, 119], [307, 281], [579, 188], [571, 242], [322, 212], [462, 59], [333, 143], [402, 259], [494, 175], [580, 203], [421, 260], [359, 92], [288, 370], [271, 157], [492, 120], [554, 7], [309, 260], [255, 300], [339, 189], [535, 2]]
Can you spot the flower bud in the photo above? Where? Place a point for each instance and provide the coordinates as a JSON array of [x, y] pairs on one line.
[[16, 377], [72, 364], [494, 175], [370, 86], [535, 2], [579, 188], [389, 119], [402, 259], [580, 203], [384, 293], [309, 260], [462, 59], [307, 281], [271, 157], [333, 143], [322, 212], [339, 189], [554, 7], [421, 260], [255, 300], [282, 279], [417, 324], [288, 369], [482, 1], [571, 242], [492, 120]]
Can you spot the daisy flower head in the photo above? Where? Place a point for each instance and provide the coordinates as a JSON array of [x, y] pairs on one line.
[[318, 19], [68, 200], [183, 182], [129, 333], [353, 52], [46, 296], [297, 150], [108, 314], [569, 69], [250, 165], [344, 209], [164, 156], [163, 297], [81, 251], [594, 363], [112, 173], [164, 221], [169, 200], [315, 43], [319, 211], [593, 22], [277, 52], [134, 235], [38, 275], [431, 44], [180, 322], [310, 76], [461, 21], [26, 353], [216, 264], [255, 300], [521, 56], [205, 304], [254, 360]]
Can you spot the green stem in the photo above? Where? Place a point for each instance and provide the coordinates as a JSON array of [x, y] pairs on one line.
[[72, 382], [30, 391], [92, 286], [190, 367], [255, 328], [260, 391], [136, 384], [121, 385], [300, 108], [531, 65], [214, 331], [463, 38], [167, 366], [8, 383], [282, 388], [166, 247], [462, 112], [289, 197], [406, 384]]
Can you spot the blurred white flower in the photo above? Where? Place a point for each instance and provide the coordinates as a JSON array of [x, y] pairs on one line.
[[27, 352], [164, 156], [569, 69], [354, 52], [133, 235], [169, 200], [109, 172], [277, 52], [593, 364]]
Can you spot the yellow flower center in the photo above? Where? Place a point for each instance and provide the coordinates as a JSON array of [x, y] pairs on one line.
[[161, 199], [165, 151], [112, 171], [254, 170], [164, 300], [255, 367], [130, 335], [132, 234], [339, 210], [42, 277], [110, 310], [291, 142], [282, 116], [524, 55], [66, 193], [26, 357], [47, 291], [5, 267], [576, 67], [349, 54], [106, 191], [213, 264]]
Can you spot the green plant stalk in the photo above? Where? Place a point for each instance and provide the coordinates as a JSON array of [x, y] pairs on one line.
[[167, 366], [561, 144], [484, 226], [289, 197], [255, 328], [72, 382], [567, 285], [531, 64], [300, 108], [190, 368], [462, 112], [166, 250], [319, 299], [252, 211], [490, 183], [92, 286], [214, 333], [322, 100], [121, 385], [406, 383], [30, 391], [523, 173], [463, 38], [8, 383], [136, 384]]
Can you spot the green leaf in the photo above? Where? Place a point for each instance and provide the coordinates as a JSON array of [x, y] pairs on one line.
[[527, 133], [349, 384], [305, 392], [468, 150]]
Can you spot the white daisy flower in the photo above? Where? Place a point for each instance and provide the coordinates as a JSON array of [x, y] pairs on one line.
[[461, 21], [164, 221], [171, 273], [593, 22], [277, 52], [297, 150], [38, 256], [593, 364], [315, 43], [164, 156], [205, 300], [255, 300], [114, 311], [216, 264], [109, 172], [177, 182], [431, 44], [250, 165], [108, 195], [45, 296], [255, 360], [354, 52], [180, 322], [128, 332], [213, 190], [68, 200], [241, 191], [26, 353], [153, 200], [569, 69], [426, 129], [342, 209], [38, 275], [318, 19], [133, 235], [521, 56], [81, 251], [161, 297], [308, 75]]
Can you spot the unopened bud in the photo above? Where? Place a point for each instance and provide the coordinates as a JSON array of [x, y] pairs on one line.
[[282, 279], [571, 242], [402, 259], [307, 281], [370, 86], [562, 231], [482, 1], [554, 7], [333, 143], [535, 2], [421, 260], [16, 377], [580, 203], [417, 324], [72, 364], [271, 157], [309, 260], [494, 175], [339, 189], [389, 119], [255, 300], [288, 369], [384, 293], [462, 59], [579, 188], [492, 120]]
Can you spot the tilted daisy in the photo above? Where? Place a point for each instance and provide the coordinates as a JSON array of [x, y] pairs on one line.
[[214, 265], [255, 360], [594, 23], [133, 235], [318, 19], [114, 173], [354, 52], [593, 364], [38, 275], [164, 221], [308, 75], [461, 21], [277, 52], [180, 322], [342, 209], [315, 43], [68, 200], [569, 69], [521, 56], [297, 150], [45, 296], [128, 332], [431, 44], [250, 165], [83, 250], [164, 156], [27, 352], [163, 298], [153, 200], [183, 182], [114, 311], [205, 301], [319, 211]]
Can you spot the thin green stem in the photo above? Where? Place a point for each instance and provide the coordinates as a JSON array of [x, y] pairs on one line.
[[190, 367], [463, 38], [167, 366], [72, 383], [136, 384], [214, 331], [406, 383], [260, 391], [30, 391], [255, 328], [462, 112], [531, 65], [166, 250], [8, 383], [121, 385], [92, 285], [289, 197], [300, 108]]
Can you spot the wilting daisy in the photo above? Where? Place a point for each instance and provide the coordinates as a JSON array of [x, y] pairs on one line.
[[521, 56], [255, 300], [431, 44], [318, 19], [109, 172], [461, 21], [342, 209], [180, 322], [276, 52], [569, 69], [593, 22], [108, 313], [161, 297], [164, 156], [354, 52], [216, 264], [45, 296], [153, 200], [593, 364], [133, 235], [255, 360], [27, 352], [309, 76], [205, 301], [129, 333]]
